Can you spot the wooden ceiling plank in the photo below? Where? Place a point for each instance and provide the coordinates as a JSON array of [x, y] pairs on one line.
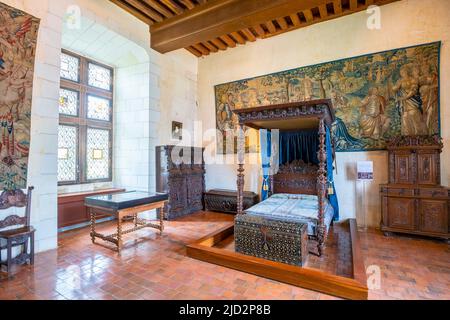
[[219, 17], [230, 42], [282, 23], [133, 11], [159, 8], [239, 39], [353, 5], [188, 3], [219, 44], [323, 11], [200, 47], [172, 5], [295, 19], [145, 9], [210, 46], [259, 30], [337, 5], [194, 51], [308, 15], [249, 35], [271, 27]]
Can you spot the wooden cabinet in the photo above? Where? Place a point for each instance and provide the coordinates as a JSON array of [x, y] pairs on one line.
[[180, 172], [413, 201]]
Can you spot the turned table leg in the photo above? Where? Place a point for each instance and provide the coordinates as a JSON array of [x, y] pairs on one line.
[[92, 212], [119, 233], [161, 218]]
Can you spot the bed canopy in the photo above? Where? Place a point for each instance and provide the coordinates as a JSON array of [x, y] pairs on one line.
[[306, 152]]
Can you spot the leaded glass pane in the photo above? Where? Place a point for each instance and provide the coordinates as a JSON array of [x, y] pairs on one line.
[[67, 153], [98, 108], [99, 77], [68, 102], [70, 67], [97, 154]]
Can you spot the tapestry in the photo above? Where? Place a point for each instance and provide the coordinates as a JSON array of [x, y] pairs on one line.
[[17, 52], [375, 97]]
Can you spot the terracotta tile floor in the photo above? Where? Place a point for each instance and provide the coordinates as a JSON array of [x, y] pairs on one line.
[[157, 268]]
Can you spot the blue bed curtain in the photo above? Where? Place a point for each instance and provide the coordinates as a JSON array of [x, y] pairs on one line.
[[299, 145], [331, 197], [265, 139]]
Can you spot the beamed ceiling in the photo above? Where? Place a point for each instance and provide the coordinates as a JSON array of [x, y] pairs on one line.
[[206, 26]]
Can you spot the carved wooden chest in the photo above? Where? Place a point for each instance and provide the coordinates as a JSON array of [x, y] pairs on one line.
[[226, 200], [280, 241], [414, 202]]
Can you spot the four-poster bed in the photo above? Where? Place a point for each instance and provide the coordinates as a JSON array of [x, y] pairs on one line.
[[296, 177]]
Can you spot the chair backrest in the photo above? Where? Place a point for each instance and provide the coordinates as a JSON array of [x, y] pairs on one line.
[[16, 198]]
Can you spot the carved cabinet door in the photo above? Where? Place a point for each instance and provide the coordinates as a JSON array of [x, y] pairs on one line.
[[177, 195], [402, 213], [434, 216], [404, 168], [427, 171], [195, 192]]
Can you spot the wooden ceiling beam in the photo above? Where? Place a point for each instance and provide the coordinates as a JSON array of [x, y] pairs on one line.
[[188, 3], [295, 19], [239, 39], [337, 5], [271, 27], [145, 9], [323, 11], [259, 30], [353, 4], [133, 11], [172, 5], [194, 51], [308, 15], [160, 8], [201, 48], [210, 46], [249, 35], [282, 23], [227, 39], [219, 17], [219, 44]]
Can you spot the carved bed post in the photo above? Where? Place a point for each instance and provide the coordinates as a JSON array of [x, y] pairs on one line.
[[321, 185], [240, 175]]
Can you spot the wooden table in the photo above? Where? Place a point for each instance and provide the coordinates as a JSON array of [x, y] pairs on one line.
[[125, 204]]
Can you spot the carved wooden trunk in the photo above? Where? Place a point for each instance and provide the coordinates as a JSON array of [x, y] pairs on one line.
[[180, 172], [226, 200], [280, 241], [414, 202]]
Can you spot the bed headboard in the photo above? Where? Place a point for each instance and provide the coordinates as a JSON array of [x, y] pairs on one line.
[[296, 177]]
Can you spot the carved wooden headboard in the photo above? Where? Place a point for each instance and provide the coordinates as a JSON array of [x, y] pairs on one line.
[[296, 177]]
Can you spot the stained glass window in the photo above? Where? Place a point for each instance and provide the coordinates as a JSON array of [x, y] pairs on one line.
[[67, 153], [99, 77], [70, 67], [68, 102], [97, 154], [85, 150], [98, 108]]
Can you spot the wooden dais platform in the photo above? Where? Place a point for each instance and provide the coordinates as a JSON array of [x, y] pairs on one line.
[[345, 282]]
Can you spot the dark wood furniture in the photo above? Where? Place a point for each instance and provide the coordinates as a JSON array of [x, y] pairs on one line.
[[226, 200], [71, 208], [22, 236], [180, 172], [121, 205], [413, 201], [299, 179]]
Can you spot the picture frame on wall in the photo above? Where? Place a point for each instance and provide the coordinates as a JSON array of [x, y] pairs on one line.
[[177, 130]]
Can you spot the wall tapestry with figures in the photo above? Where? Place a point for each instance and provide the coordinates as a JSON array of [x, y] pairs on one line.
[[375, 97], [17, 54]]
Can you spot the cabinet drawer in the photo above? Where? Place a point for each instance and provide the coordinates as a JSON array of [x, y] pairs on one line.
[[400, 192], [433, 193]]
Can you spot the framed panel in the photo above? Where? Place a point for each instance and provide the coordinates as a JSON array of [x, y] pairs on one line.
[[98, 108], [70, 67], [99, 76], [69, 101]]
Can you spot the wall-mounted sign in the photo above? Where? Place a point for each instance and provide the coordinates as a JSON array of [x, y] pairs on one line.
[[365, 170]]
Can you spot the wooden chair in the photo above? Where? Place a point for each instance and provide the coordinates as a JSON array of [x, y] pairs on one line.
[[18, 236]]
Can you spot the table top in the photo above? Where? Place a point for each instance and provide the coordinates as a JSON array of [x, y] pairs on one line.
[[124, 200]]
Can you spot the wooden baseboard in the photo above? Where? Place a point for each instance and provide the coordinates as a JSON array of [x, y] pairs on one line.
[[308, 278]]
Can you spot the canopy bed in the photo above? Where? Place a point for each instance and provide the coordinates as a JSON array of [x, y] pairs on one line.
[[302, 189], [302, 204]]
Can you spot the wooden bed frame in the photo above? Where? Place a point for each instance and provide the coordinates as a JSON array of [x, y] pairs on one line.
[[297, 177]]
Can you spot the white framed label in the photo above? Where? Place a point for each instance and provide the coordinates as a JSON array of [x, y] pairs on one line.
[[365, 170]]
